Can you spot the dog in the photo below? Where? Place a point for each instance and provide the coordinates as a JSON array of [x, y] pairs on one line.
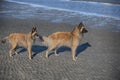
[[69, 39], [24, 40]]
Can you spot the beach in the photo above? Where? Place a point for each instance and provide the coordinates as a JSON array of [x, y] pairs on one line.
[[98, 53]]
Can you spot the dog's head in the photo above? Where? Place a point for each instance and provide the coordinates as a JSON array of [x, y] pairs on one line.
[[82, 28], [34, 33]]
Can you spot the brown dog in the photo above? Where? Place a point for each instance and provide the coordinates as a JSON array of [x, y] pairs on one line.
[[19, 39], [70, 39]]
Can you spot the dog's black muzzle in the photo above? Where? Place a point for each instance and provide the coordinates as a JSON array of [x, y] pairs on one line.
[[84, 30], [40, 37]]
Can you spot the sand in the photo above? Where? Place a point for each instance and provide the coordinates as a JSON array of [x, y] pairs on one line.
[[98, 53]]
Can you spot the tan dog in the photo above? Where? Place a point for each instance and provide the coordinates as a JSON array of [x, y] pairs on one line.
[[70, 39], [19, 39]]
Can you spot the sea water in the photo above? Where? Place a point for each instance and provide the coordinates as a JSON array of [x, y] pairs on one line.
[[94, 14]]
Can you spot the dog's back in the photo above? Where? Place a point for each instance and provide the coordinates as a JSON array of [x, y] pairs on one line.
[[61, 38], [18, 38], [58, 39]]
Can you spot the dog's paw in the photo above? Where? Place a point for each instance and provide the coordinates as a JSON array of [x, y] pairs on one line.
[[56, 54], [46, 57], [11, 55], [74, 59], [30, 58], [16, 53]]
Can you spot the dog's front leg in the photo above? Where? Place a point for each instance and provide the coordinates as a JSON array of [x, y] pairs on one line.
[[10, 52], [74, 53], [29, 53], [46, 54]]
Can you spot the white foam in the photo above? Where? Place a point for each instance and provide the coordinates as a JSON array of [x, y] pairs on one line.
[[91, 2], [64, 0]]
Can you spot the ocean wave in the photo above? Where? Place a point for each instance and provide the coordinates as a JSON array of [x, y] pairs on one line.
[[76, 11]]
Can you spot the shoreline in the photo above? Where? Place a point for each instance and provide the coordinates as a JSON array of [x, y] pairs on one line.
[[102, 1]]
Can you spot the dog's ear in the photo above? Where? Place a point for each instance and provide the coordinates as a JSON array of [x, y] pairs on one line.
[[33, 29], [80, 25]]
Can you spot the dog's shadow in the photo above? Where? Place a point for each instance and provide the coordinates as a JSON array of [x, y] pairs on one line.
[[36, 49], [82, 48], [79, 49]]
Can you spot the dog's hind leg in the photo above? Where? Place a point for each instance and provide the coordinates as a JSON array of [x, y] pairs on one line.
[[13, 46], [49, 49], [15, 51], [55, 51]]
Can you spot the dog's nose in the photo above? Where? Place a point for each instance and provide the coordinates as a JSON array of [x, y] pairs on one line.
[[84, 30]]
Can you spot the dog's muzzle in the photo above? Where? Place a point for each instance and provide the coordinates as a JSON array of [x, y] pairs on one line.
[[36, 35], [84, 30]]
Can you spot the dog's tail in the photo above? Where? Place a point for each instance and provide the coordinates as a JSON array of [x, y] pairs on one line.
[[45, 40], [4, 39]]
